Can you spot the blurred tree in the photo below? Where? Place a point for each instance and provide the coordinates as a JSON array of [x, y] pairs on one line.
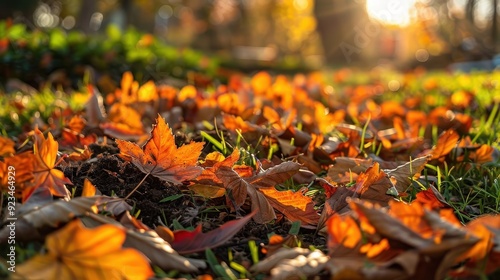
[[340, 23], [18, 8], [471, 28], [86, 10], [485, 34]]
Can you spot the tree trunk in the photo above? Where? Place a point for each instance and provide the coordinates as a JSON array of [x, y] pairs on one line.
[[338, 23]]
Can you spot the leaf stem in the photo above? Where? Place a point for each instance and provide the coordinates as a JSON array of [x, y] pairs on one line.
[[136, 187]]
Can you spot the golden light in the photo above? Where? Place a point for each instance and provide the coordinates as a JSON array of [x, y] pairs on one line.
[[390, 12]]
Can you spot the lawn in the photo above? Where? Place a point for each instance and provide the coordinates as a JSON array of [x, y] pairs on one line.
[[115, 171]]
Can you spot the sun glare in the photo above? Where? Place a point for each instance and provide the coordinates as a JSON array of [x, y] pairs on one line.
[[390, 12]]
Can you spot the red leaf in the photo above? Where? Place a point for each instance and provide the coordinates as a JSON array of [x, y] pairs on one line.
[[186, 242]]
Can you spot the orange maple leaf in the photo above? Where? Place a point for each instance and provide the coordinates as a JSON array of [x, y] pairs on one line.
[[294, 205], [160, 156], [208, 174], [446, 142], [131, 92], [45, 174], [207, 184], [6, 146], [76, 252], [261, 82], [23, 165]]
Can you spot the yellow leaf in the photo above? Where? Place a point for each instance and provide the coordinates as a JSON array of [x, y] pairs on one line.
[[76, 252], [88, 188]]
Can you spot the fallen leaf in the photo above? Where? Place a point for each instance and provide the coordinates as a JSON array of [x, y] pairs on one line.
[[406, 173], [277, 242], [186, 242], [123, 120], [343, 230], [208, 176], [41, 214], [161, 158], [432, 198], [288, 263], [23, 164], [45, 174], [261, 82], [294, 205], [76, 252], [151, 245], [239, 187], [88, 188], [6, 146], [446, 142], [346, 169]]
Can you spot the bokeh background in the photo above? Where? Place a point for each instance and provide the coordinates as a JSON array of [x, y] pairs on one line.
[[364, 33]]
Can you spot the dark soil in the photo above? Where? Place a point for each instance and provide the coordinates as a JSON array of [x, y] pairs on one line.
[[113, 176]]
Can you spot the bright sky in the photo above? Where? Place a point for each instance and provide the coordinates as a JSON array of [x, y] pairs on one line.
[[394, 12]]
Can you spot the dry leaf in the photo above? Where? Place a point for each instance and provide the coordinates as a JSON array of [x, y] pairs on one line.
[[76, 252], [6, 146], [239, 187], [40, 214], [161, 158], [446, 142], [186, 242], [23, 164], [294, 205], [45, 174], [151, 245], [88, 188], [289, 263]]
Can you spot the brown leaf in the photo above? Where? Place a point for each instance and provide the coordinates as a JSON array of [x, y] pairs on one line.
[[388, 226], [407, 172], [95, 107], [343, 230], [239, 187], [277, 242], [289, 263], [40, 214], [151, 245], [208, 176], [345, 168], [371, 185], [124, 122], [274, 175], [274, 119]]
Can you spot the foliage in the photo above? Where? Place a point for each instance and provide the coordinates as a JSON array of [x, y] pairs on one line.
[[36, 55], [388, 174]]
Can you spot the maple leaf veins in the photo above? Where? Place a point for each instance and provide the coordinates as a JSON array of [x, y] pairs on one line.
[[160, 156]]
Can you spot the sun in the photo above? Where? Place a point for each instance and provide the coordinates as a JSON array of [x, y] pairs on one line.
[[390, 12]]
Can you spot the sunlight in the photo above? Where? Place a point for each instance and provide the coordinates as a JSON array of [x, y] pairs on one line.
[[390, 12]]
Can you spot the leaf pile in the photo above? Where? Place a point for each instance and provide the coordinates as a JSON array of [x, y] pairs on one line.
[[379, 174]]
